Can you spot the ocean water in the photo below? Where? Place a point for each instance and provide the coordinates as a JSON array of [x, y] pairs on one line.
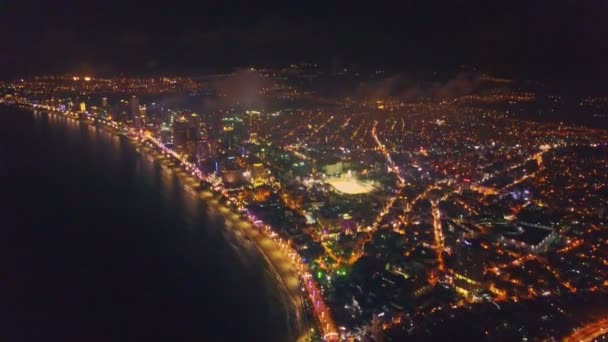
[[101, 243]]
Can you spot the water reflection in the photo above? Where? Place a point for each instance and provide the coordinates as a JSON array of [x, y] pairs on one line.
[[204, 239]]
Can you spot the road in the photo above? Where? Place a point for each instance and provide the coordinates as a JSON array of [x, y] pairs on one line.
[[286, 261], [438, 232], [589, 332]]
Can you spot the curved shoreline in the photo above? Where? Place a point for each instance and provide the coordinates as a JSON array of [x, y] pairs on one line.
[[283, 270], [285, 275]]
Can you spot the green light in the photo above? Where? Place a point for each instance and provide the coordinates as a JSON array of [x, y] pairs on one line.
[[319, 274]]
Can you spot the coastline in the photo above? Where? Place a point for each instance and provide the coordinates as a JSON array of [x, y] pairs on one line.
[[277, 262], [285, 275]]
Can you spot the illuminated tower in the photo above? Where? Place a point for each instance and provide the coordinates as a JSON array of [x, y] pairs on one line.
[[104, 102], [253, 125], [134, 104]]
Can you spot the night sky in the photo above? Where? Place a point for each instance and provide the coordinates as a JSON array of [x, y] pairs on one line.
[[548, 40]]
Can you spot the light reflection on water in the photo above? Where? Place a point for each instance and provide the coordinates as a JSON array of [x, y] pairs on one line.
[[121, 159]]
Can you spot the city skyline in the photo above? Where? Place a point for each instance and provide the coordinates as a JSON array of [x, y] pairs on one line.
[[385, 208], [342, 171], [538, 41]]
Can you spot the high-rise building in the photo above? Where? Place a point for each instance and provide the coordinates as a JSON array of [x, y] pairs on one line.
[[194, 133], [232, 132], [140, 119], [349, 225], [468, 266], [253, 125], [376, 328], [104, 102], [134, 113], [83, 107], [180, 132], [134, 104], [228, 138], [257, 170], [165, 133], [258, 174]]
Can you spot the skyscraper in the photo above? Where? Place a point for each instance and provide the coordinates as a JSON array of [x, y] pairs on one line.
[[180, 132], [232, 132], [227, 138], [253, 125], [141, 117], [134, 113], [194, 133], [376, 328], [104, 102], [134, 104]]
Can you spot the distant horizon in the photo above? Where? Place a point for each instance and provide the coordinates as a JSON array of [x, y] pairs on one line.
[[562, 86], [551, 41], [406, 205]]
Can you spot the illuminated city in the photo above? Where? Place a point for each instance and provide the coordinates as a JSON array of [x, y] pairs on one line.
[[391, 212], [455, 203]]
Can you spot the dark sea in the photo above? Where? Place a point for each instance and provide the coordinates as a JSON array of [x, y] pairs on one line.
[[100, 243]]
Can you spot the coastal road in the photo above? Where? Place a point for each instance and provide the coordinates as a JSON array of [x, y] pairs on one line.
[[270, 249], [589, 332]]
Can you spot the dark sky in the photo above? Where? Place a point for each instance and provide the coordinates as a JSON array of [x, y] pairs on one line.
[[562, 40]]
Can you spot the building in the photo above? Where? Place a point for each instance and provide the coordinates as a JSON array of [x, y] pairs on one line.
[[134, 105], [235, 177], [232, 132], [140, 119], [532, 237], [134, 113], [194, 129], [257, 170], [376, 328], [195, 122], [83, 107], [227, 138], [104, 102], [349, 226], [142, 112], [165, 133], [258, 174], [180, 132], [253, 125], [192, 138], [468, 266]]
